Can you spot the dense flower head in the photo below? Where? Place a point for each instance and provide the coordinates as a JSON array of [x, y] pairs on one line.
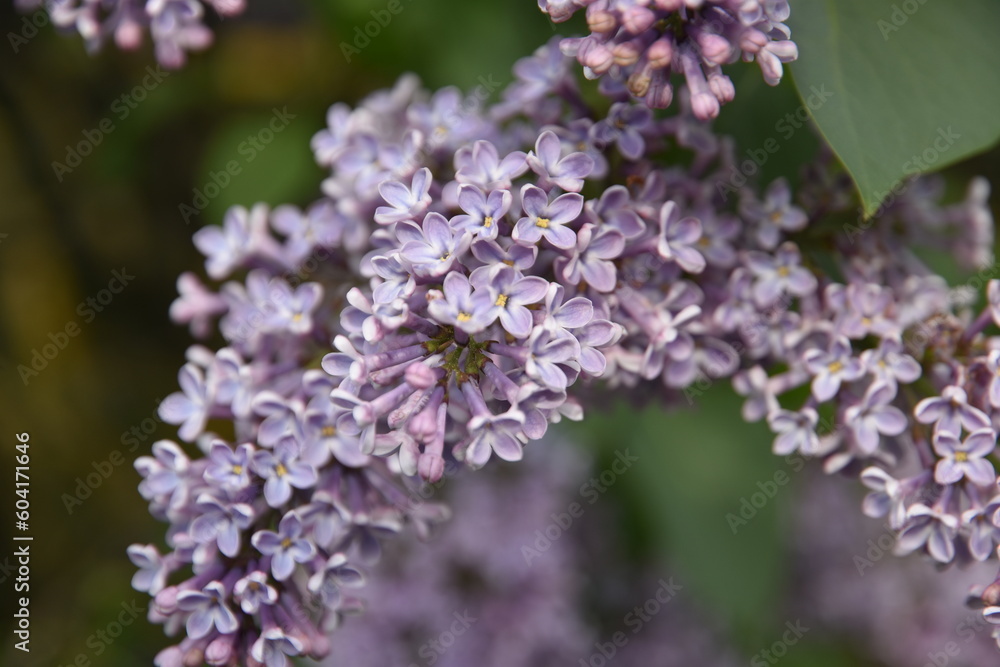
[[175, 26], [641, 43], [475, 273]]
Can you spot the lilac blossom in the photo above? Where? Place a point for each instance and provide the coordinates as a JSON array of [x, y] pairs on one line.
[[873, 416], [965, 458], [483, 214], [592, 259], [831, 368], [950, 412], [547, 219], [566, 172], [286, 547], [432, 249], [207, 608], [404, 203], [511, 295], [281, 471]]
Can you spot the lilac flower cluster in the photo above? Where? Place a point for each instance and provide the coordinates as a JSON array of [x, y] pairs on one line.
[[641, 43], [468, 274], [175, 26]]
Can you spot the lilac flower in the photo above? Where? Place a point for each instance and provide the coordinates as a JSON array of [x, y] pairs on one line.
[[549, 220], [405, 203], [544, 354], [591, 260], [774, 215], [873, 416], [832, 368], [189, 408], [796, 431], [281, 417], [433, 249], [243, 234], [230, 469], [993, 366], [510, 296], [281, 471], [482, 214], [624, 126], [253, 591], [496, 434], [566, 172], [779, 274], [481, 166], [888, 364], [930, 527], [983, 532], [293, 309], [221, 523], [164, 472], [965, 459], [950, 412], [208, 608], [153, 568], [461, 308], [334, 575], [273, 645], [760, 401], [286, 547], [677, 237], [195, 305], [888, 496], [867, 314]]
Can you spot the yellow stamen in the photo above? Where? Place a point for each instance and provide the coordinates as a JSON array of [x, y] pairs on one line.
[[445, 257], [510, 262], [297, 317], [464, 317], [285, 543], [835, 367], [502, 300], [488, 221], [961, 457], [542, 222], [783, 271], [329, 431], [237, 470], [280, 470]]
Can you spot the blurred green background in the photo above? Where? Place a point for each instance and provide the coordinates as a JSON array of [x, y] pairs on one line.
[[60, 242]]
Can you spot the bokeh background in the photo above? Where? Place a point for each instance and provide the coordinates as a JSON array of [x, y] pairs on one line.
[[94, 404]]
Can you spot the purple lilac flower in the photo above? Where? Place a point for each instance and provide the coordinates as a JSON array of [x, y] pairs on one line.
[[592, 258], [405, 203], [553, 169], [281, 471], [547, 219], [253, 591], [873, 416], [965, 458], [832, 368], [779, 274], [510, 295], [483, 215], [950, 412], [931, 527], [432, 249], [176, 26], [774, 214], [285, 547], [207, 608], [642, 44]]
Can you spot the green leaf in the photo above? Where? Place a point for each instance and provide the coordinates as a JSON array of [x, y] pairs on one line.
[[899, 88]]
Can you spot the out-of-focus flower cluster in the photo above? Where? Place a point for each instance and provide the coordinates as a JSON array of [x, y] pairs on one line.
[[641, 43], [175, 26], [471, 271]]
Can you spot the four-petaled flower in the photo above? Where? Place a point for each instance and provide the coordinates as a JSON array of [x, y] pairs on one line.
[[285, 547], [965, 458], [548, 220]]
